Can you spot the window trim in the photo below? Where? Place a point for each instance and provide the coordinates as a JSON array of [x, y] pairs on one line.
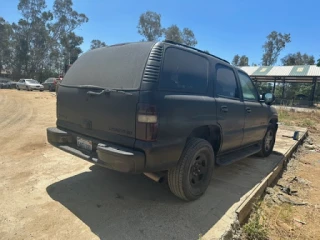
[[177, 90], [220, 65], [254, 86]]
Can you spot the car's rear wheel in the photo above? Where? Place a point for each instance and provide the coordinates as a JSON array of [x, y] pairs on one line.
[[191, 177], [268, 141]]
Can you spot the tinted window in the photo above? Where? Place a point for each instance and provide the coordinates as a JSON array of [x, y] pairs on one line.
[[249, 92], [118, 67], [184, 71], [226, 83]]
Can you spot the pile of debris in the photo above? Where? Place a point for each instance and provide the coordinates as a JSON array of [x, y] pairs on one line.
[[285, 193], [309, 145]]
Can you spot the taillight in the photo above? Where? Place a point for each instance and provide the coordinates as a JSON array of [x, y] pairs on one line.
[[147, 122], [55, 81]]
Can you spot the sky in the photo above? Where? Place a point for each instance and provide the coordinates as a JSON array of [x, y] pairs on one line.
[[224, 28]]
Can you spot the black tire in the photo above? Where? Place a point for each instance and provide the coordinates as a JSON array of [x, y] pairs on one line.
[[18, 88], [197, 158], [268, 141]]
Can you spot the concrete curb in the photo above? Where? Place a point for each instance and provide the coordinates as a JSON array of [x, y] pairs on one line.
[[245, 208]]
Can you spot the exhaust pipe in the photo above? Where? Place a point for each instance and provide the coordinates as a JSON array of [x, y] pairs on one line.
[[154, 177]]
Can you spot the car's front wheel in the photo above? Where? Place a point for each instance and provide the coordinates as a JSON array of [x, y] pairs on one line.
[[191, 177], [268, 141]]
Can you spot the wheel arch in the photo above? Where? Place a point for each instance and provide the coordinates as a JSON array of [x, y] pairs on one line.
[[274, 121], [211, 133]]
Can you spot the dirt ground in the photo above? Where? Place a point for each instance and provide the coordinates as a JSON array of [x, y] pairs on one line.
[[291, 209], [46, 193], [25, 206]]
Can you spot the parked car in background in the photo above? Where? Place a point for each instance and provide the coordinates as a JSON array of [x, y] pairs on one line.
[[29, 85], [162, 107], [13, 84], [50, 84], [59, 80], [5, 83]]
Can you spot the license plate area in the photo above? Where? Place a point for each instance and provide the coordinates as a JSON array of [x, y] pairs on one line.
[[84, 144]]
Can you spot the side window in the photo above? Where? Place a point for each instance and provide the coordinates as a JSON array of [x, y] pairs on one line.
[[226, 82], [249, 91], [184, 71]]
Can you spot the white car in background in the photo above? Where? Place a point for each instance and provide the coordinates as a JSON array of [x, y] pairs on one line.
[[29, 85]]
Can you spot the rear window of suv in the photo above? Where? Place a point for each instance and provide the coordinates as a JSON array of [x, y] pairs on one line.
[[184, 71], [117, 67]]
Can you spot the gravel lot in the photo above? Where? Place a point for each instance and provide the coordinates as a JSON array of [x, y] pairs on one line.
[[49, 194]]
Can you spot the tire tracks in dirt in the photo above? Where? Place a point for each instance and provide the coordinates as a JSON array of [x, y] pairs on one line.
[[15, 118]]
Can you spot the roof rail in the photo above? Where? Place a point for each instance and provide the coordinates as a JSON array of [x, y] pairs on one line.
[[118, 44], [196, 49]]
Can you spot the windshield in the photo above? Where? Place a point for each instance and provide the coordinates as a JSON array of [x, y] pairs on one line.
[[32, 81]]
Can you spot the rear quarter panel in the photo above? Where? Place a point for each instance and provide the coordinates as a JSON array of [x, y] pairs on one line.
[[178, 115]]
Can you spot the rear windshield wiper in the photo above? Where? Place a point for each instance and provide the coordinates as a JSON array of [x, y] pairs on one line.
[[104, 90]]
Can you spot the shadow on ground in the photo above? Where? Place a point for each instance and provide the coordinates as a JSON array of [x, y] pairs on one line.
[[122, 206]]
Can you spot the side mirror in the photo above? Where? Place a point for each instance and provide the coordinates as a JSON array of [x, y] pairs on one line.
[[269, 98]]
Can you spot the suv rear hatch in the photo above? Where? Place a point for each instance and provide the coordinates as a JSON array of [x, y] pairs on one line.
[[100, 92]]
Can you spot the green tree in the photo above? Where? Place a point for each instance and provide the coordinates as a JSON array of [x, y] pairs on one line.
[[5, 43], [44, 40], [70, 44], [30, 38], [235, 60], [97, 44], [186, 36], [149, 26], [62, 30], [244, 61], [318, 62], [275, 43], [173, 33], [264, 87], [298, 59], [67, 19], [240, 61]]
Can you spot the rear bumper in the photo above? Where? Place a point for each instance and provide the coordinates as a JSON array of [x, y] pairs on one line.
[[104, 154]]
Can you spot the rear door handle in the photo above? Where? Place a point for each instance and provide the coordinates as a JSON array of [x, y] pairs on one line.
[[248, 110], [224, 109]]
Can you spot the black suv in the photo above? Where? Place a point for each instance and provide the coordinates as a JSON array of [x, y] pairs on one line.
[[162, 108]]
